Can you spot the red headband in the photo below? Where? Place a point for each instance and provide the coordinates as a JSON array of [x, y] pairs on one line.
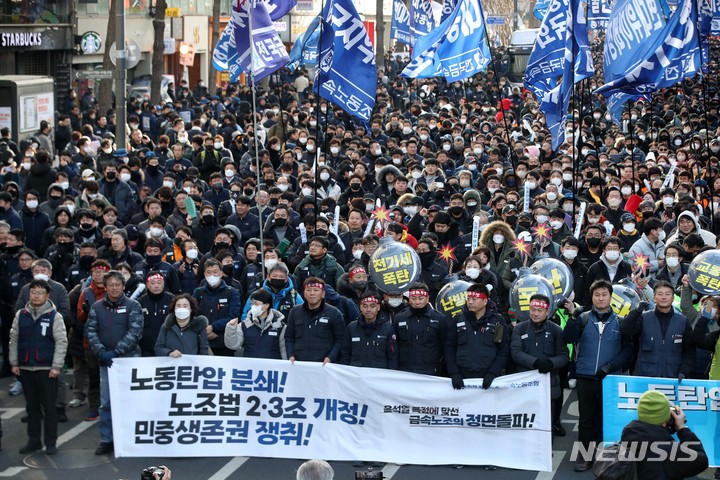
[[155, 276], [539, 304], [476, 295], [355, 271], [370, 300], [101, 267], [321, 286], [418, 293]]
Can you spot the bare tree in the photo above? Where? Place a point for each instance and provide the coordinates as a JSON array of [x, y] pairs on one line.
[[105, 98], [212, 82], [158, 51]]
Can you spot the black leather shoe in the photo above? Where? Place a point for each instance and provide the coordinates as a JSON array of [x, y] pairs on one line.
[[104, 448], [31, 447], [558, 430], [61, 415], [50, 450]]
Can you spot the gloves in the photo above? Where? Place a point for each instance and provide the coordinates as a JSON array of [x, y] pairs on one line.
[[602, 372], [487, 381], [642, 306], [681, 377], [543, 365], [457, 381], [105, 358], [86, 307]]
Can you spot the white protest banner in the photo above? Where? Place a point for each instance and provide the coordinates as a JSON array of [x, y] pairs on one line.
[[204, 406]]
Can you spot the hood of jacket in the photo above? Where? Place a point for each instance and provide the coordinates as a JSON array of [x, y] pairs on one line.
[[486, 235], [40, 169], [380, 174], [42, 310], [197, 324], [283, 291], [690, 215]]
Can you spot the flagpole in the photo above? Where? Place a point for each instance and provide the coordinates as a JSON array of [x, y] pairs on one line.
[[255, 133], [631, 129], [513, 157], [708, 167], [316, 208]]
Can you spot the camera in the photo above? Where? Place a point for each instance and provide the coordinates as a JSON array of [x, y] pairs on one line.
[[147, 474], [369, 474], [672, 428]]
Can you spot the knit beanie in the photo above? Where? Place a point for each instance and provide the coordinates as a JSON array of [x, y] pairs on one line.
[[653, 408]]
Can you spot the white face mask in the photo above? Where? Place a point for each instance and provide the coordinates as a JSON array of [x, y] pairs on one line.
[[65, 185], [551, 196], [71, 208], [531, 185], [492, 190], [423, 137], [41, 276], [155, 231], [613, 202], [307, 191], [334, 150], [567, 177], [499, 171], [218, 145], [26, 165], [661, 237], [357, 254], [182, 313], [229, 173], [169, 184], [472, 272], [256, 310], [410, 211], [283, 187], [629, 227], [32, 204], [447, 147], [593, 220], [498, 238], [270, 262], [311, 148], [672, 262], [213, 280], [626, 190], [416, 174], [556, 181], [541, 218], [395, 301], [369, 207], [568, 207], [407, 130], [324, 176], [569, 254], [555, 224], [125, 177], [107, 150], [668, 201], [302, 140], [187, 190], [191, 254], [612, 255], [182, 139], [521, 174], [313, 123]]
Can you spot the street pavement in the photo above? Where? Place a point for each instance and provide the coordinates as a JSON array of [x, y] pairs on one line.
[[78, 439]]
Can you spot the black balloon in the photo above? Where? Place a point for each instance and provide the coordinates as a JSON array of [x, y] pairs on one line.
[[452, 298], [704, 273], [394, 266], [558, 273], [525, 287]]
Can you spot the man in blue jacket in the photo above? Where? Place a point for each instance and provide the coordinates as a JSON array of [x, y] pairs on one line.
[[114, 329], [220, 303], [602, 350], [280, 285]]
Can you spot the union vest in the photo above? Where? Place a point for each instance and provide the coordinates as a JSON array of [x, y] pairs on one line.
[[36, 344], [660, 356], [261, 344], [595, 349]]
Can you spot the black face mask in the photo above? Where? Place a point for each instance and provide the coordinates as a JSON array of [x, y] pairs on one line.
[[280, 222], [593, 242], [277, 283], [427, 258], [222, 245], [86, 261], [209, 219], [152, 168], [228, 270], [87, 227], [648, 214], [65, 247], [248, 192], [511, 220], [274, 202], [111, 175], [455, 211], [355, 187], [153, 259], [360, 285]]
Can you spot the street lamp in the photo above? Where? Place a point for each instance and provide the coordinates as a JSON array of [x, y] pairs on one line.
[[184, 50]]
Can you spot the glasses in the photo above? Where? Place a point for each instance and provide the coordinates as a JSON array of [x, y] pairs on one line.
[[38, 292], [114, 284]]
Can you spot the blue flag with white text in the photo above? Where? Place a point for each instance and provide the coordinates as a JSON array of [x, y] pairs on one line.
[[576, 65], [233, 53], [400, 26], [456, 50], [347, 75], [541, 8], [447, 9], [304, 51], [671, 54], [598, 12], [421, 19]]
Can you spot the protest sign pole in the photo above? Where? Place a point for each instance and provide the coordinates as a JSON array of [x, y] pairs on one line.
[[255, 134]]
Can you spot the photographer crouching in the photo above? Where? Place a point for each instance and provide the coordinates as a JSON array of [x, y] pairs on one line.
[[651, 435]]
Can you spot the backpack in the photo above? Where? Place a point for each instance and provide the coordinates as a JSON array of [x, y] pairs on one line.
[[610, 466]]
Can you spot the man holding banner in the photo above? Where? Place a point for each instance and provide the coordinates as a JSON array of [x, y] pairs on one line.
[[602, 350]]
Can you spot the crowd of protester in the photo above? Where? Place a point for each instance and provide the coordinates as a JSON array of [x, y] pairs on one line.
[[216, 232]]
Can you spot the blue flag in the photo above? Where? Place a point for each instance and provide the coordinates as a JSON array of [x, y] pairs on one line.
[[576, 66], [598, 14], [448, 7], [456, 50], [541, 8], [304, 51], [671, 54], [347, 75], [233, 50], [421, 19], [400, 26]]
